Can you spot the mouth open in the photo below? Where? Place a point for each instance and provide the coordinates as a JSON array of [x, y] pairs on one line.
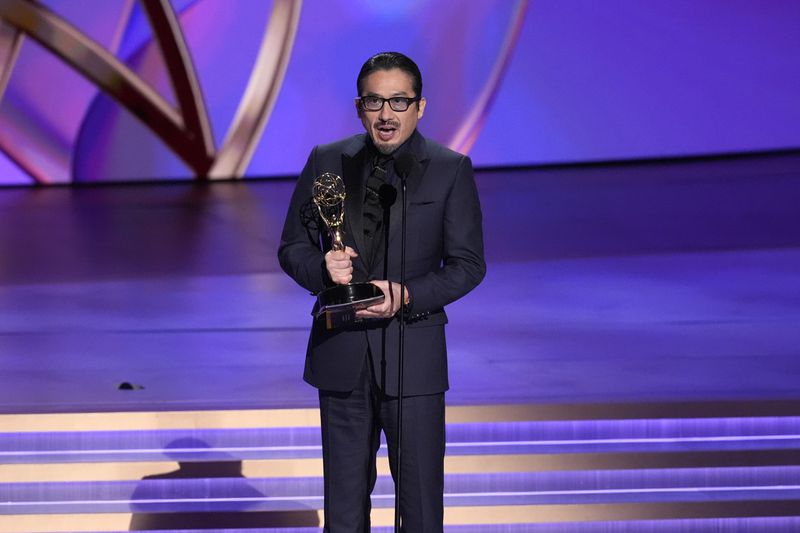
[[386, 132]]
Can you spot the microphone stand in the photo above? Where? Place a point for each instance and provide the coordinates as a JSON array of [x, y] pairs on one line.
[[401, 356]]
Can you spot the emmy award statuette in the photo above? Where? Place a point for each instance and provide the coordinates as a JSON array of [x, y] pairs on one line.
[[340, 303]]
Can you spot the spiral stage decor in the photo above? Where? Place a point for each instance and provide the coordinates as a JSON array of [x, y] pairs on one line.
[[184, 128]]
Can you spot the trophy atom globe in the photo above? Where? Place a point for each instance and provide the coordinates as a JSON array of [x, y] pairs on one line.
[[339, 304]]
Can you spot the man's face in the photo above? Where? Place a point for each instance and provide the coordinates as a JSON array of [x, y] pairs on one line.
[[387, 128]]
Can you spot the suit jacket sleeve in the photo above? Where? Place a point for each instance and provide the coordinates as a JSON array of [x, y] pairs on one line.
[[300, 252], [462, 264]]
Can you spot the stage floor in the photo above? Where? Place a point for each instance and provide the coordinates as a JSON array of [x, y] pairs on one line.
[[655, 282]]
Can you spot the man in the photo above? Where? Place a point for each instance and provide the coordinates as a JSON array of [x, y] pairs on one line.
[[355, 368]]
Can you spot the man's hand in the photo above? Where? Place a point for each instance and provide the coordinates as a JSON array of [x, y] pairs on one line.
[[340, 265], [390, 304]]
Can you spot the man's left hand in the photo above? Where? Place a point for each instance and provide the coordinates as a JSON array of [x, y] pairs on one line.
[[390, 304]]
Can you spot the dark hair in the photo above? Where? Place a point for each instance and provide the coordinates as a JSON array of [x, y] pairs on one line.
[[389, 61]]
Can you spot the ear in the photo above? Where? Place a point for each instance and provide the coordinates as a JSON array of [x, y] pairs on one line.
[[358, 107], [421, 107]]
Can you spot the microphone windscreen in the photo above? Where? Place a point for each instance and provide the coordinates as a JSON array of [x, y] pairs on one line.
[[405, 164], [388, 195]]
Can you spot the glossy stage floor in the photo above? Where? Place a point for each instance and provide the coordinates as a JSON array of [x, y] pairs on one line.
[[653, 282], [630, 364]]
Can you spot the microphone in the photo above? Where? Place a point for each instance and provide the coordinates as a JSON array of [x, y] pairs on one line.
[[387, 195], [405, 164]]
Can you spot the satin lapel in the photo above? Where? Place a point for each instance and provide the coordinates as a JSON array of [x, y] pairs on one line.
[[354, 200], [412, 184], [415, 178]]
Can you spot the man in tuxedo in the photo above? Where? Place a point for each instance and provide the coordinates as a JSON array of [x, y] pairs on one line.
[[355, 367]]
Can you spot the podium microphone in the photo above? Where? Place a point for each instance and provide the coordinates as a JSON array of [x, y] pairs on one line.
[[405, 165]]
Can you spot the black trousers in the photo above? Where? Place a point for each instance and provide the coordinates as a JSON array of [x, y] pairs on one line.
[[351, 426]]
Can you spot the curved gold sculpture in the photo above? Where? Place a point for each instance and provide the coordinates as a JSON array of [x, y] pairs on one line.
[[185, 130], [468, 132], [262, 91], [10, 43]]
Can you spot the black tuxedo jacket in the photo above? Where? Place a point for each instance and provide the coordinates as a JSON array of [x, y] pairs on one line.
[[444, 261]]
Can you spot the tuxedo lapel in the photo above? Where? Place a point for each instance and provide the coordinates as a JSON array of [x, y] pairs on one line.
[[418, 149], [415, 179], [353, 175]]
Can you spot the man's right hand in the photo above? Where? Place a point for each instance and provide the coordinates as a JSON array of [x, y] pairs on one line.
[[340, 265]]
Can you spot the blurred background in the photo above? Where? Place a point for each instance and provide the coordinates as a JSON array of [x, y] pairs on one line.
[[511, 82]]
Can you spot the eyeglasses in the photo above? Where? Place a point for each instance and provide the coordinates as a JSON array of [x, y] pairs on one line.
[[397, 103]]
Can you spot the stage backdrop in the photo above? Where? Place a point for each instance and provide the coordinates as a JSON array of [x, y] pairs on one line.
[[247, 87]]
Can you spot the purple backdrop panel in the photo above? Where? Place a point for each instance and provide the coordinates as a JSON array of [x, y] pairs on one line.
[[585, 81], [627, 79]]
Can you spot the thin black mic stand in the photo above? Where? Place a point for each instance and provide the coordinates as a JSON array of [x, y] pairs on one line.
[[404, 165], [401, 355]]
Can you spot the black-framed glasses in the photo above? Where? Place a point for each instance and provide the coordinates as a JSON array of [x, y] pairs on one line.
[[397, 103]]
